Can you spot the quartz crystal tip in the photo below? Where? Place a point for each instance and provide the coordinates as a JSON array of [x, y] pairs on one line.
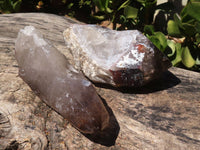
[[150, 67], [58, 83]]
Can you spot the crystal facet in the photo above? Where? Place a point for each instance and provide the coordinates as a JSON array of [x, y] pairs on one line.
[[119, 58], [59, 84]]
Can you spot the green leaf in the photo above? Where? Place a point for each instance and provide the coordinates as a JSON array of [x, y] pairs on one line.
[[11, 2], [172, 46], [178, 58], [99, 4], [159, 40], [183, 11], [142, 2], [69, 6], [147, 3], [155, 41], [150, 3], [187, 19], [189, 29], [177, 20], [122, 19], [162, 39], [133, 22], [173, 29], [187, 58], [125, 4], [149, 30], [197, 61], [193, 9], [197, 37], [102, 17], [194, 0], [6, 7], [197, 26], [108, 10], [64, 1], [130, 12], [17, 5], [103, 5]]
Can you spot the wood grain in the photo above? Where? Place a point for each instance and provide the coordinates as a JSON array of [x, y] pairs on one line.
[[161, 115]]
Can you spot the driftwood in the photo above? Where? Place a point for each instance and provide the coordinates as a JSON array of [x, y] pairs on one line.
[[162, 115]]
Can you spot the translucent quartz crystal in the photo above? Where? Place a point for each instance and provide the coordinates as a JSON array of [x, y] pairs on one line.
[[57, 83], [119, 58]]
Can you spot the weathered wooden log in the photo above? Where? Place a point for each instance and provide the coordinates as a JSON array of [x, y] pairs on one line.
[[162, 115]]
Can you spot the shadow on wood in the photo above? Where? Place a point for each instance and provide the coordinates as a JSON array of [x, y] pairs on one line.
[[161, 115], [14, 145], [161, 118], [166, 81], [108, 136]]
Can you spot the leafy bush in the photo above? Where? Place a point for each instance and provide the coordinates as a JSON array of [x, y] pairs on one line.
[[124, 14], [127, 14], [9, 6], [187, 25], [182, 45]]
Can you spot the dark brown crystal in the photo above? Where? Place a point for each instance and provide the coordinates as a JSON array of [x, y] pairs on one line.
[[119, 58], [57, 83]]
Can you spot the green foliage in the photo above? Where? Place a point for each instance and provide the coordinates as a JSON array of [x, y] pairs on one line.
[[187, 26], [157, 38], [123, 14], [173, 29], [9, 6], [126, 13], [186, 52], [187, 58], [129, 14]]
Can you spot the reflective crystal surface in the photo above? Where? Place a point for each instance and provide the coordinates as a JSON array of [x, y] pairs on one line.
[[57, 83], [119, 58]]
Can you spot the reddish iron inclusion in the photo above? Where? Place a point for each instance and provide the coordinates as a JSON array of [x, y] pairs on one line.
[[127, 77]]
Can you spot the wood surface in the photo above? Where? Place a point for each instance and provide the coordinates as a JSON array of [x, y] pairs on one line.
[[165, 114]]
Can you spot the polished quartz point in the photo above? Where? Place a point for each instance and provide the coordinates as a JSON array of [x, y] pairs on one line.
[[119, 58], [58, 83]]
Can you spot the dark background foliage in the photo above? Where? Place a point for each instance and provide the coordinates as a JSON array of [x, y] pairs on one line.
[[176, 34]]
